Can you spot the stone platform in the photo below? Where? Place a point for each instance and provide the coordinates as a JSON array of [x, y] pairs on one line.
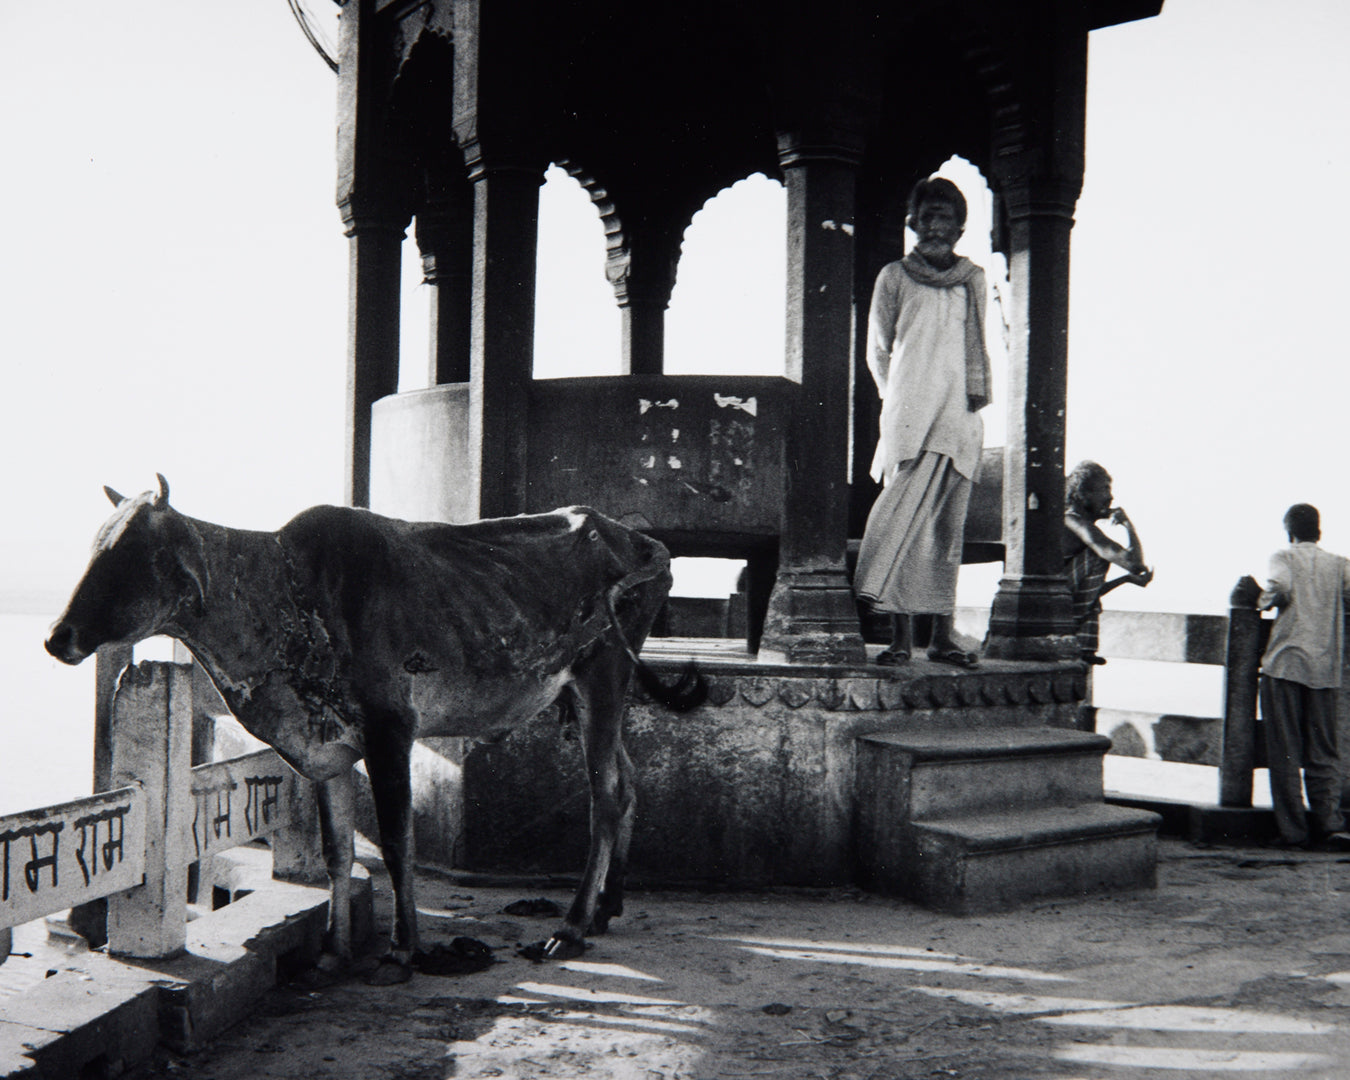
[[68, 1013], [766, 785]]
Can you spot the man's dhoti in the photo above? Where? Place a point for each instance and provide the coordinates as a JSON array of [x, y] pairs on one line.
[[911, 548]]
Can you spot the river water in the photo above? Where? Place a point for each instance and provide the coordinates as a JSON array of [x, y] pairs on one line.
[[46, 719]]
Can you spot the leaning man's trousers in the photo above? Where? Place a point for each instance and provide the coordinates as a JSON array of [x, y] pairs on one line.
[[1300, 725]]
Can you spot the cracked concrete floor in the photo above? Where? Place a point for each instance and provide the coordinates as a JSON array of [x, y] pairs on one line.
[[1237, 964]]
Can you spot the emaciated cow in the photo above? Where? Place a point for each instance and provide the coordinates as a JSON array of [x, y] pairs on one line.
[[347, 635]]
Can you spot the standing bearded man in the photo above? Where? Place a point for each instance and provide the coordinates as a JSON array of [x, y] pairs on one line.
[[926, 352]]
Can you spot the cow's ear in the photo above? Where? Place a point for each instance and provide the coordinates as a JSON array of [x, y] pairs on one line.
[[192, 561], [162, 499], [196, 572], [114, 497]]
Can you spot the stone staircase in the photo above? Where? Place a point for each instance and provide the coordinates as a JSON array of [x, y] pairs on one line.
[[984, 820]]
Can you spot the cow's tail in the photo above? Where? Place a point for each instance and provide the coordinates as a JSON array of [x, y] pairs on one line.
[[688, 690]]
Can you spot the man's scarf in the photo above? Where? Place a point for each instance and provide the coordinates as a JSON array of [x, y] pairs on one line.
[[978, 375]]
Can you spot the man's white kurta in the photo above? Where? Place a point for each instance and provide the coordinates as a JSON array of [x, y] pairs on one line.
[[1305, 640], [917, 352]]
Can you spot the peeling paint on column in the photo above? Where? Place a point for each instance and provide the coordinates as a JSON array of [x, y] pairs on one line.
[[730, 401], [731, 445]]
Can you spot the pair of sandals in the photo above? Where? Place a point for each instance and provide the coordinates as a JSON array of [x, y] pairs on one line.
[[893, 657]]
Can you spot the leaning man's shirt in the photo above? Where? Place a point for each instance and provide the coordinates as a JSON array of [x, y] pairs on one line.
[[1306, 639]]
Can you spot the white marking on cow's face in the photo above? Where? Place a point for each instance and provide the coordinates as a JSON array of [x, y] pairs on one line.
[[111, 531], [575, 520]]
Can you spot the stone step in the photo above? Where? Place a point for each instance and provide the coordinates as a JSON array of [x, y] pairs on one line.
[[914, 776], [970, 864]]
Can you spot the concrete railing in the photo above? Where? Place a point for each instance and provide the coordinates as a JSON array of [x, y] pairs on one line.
[[1232, 740], [135, 842], [1169, 638]]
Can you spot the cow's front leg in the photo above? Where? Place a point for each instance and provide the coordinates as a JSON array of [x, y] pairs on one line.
[[388, 761], [337, 827]]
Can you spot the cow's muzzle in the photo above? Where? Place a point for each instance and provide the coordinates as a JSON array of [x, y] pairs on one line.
[[61, 643]]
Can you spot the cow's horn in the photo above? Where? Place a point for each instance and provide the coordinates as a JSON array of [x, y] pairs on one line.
[[162, 499], [114, 497]]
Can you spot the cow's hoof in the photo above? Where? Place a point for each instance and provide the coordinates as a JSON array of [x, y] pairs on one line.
[[463, 956], [331, 963], [389, 972], [555, 948], [532, 908], [328, 971]]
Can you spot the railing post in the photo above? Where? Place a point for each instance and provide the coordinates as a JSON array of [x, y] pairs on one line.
[[152, 746], [1242, 662], [297, 853], [108, 664]]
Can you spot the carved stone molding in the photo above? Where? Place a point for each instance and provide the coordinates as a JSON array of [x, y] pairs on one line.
[[852, 694]]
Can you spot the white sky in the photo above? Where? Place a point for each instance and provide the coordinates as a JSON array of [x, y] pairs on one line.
[[173, 279]]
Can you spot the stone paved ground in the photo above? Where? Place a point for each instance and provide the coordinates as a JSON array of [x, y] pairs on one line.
[[1237, 965]]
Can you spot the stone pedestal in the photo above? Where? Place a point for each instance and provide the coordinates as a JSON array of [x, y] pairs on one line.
[[812, 618], [755, 788]]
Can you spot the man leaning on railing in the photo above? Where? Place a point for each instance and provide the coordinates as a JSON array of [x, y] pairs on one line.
[[1300, 674]]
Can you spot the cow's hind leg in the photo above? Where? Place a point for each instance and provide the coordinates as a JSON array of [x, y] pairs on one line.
[[599, 686], [610, 903], [337, 828], [646, 603], [388, 761]]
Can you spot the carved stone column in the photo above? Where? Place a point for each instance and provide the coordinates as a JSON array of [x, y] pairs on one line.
[[1031, 617], [374, 264], [505, 241], [644, 335], [642, 272], [812, 616], [445, 239], [368, 196]]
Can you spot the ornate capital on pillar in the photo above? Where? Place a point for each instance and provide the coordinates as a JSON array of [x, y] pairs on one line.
[[812, 619], [803, 147], [445, 233], [1027, 197], [367, 215], [640, 277], [495, 156]]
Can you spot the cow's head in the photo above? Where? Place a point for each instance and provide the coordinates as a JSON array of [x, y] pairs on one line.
[[148, 566]]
